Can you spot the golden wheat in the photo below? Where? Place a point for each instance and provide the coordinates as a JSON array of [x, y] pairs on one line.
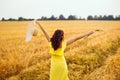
[[85, 58]]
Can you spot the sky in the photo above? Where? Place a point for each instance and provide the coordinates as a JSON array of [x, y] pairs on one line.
[[37, 8]]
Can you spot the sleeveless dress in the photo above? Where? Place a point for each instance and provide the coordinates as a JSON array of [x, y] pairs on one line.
[[58, 70]]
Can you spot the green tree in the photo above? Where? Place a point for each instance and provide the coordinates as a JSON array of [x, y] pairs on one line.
[[53, 18], [20, 19], [72, 17], [3, 19], [90, 17], [61, 17]]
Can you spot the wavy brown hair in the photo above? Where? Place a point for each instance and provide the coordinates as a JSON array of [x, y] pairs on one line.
[[57, 39]]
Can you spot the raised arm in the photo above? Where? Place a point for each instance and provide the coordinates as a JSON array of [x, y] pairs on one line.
[[79, 37], [44, 31]]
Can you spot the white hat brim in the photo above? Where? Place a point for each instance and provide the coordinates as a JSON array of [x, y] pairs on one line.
[[30, 30]]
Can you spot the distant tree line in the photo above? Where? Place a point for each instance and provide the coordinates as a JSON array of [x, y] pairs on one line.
[[100, 17], [19, 19], [70, 17]]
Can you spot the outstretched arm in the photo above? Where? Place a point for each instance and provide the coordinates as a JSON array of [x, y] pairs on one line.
[[44, 31], [79, 37]]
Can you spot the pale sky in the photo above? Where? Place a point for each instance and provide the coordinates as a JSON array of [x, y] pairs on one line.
[[37, 8]]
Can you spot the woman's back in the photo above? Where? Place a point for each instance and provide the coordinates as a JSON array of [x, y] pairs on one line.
[[59, 69]]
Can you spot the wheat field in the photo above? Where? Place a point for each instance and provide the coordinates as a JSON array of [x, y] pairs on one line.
[[96, 57]]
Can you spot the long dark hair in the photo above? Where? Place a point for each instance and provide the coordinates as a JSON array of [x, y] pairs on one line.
[[57, 39]]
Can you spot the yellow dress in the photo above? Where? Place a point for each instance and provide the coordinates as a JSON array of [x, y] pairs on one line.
[[58, 70]]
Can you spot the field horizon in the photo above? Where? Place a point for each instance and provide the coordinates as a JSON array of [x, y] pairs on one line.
[[95, 57]]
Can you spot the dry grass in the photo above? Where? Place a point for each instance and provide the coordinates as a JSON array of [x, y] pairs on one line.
[[95, 57], [109, 71]]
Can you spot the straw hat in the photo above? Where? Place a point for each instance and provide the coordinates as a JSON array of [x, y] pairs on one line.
[[31, 31]]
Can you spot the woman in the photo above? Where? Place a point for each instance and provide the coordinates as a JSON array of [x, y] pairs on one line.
[[58, 70]]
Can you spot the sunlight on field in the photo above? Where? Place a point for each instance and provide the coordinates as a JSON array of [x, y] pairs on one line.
[[90, 58]]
